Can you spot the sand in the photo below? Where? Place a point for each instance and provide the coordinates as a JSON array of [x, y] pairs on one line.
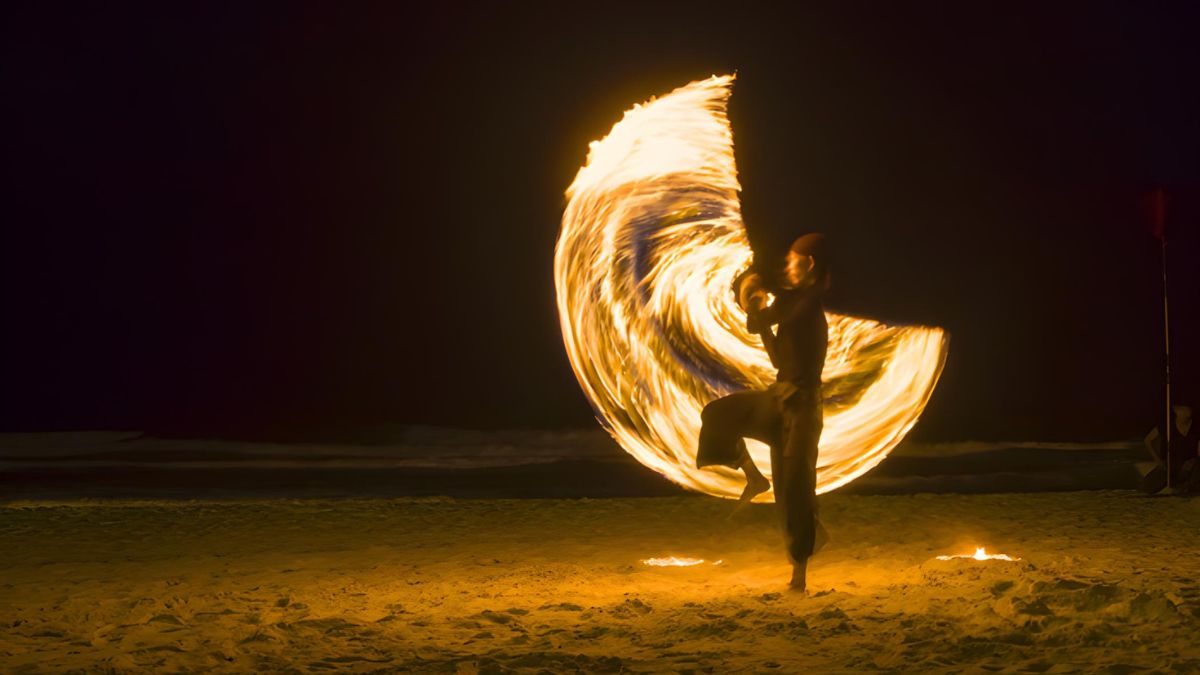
[[1107, 583]]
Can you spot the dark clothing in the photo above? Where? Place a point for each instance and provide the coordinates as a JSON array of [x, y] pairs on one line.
[[787, 419], [794, 469], [800, 345], [787, 416], [727, 420], [1183, 460], [1185, 478], [1180, 450], [1189, 475]]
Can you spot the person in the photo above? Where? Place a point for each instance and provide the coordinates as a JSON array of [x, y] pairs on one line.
[[801, 341], [788, 415], [1182, 453]]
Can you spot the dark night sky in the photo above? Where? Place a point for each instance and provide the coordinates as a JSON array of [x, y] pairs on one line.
[[297, 220]]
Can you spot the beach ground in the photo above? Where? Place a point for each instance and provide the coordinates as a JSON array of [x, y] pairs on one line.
[[1107, 582]]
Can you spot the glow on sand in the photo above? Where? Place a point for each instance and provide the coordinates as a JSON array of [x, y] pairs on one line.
[[651, 239], [979, 554]]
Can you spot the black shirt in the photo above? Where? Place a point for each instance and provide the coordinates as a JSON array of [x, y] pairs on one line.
[[1181, 448]]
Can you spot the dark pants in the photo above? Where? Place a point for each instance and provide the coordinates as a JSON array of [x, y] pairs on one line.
[[787, 419], [726, 421], [1185, 477], [1189, 479]]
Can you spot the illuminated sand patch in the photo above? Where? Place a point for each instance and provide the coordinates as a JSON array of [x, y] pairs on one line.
[[651, 239]]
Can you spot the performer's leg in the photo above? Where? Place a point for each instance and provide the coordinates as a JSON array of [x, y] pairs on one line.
[[756, 482], [795, 489], [721, 424], [1190, 475], [725, 422], [762, 424]]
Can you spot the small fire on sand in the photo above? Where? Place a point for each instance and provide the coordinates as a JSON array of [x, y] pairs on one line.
[[675, 561], [979, 554]]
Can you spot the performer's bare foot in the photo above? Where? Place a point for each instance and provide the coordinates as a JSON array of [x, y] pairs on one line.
[[755, 486], [799, 576], [756, 483]]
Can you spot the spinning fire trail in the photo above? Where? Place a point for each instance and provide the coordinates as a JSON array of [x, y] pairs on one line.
[[651, 240]]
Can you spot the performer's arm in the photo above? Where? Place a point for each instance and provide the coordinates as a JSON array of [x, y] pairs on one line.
[[1149, 441], [789, 304], [768, 340], [756, 324], [757, 303]]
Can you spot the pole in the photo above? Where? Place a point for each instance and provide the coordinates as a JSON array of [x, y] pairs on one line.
[[1166, 437]]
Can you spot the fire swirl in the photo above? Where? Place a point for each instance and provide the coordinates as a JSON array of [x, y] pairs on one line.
[[651, 240]]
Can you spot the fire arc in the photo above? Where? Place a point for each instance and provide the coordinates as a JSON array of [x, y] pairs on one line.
[[651, 238]]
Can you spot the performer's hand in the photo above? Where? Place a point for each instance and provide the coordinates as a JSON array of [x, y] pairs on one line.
[[757, 301]]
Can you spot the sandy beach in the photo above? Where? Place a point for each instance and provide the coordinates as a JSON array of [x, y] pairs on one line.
[[347, 337], [1107, 582]]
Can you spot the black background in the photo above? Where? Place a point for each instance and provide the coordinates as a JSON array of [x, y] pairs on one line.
[[298, 220]]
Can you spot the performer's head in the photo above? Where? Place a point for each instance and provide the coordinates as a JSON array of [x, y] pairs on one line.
[[805, 264], [750, 289], [1182, 407]]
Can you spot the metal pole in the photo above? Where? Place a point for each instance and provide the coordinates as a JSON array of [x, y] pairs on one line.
[[1166, 437]]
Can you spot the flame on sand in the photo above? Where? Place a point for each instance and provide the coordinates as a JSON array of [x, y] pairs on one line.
[[979, 554], [673, 561], [651, 239]]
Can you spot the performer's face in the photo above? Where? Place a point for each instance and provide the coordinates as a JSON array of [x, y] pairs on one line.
[[1182, 412], [796, 269]]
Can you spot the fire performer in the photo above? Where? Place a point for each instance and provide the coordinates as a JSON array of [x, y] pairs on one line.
[[788, 415]]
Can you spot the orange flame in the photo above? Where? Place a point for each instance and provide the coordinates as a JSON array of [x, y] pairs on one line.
[[651, 239], [673, 561], [979, 554]]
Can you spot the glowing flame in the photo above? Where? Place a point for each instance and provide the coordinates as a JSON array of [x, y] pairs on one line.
[[651, 239], [979, 554], [673, 561]]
